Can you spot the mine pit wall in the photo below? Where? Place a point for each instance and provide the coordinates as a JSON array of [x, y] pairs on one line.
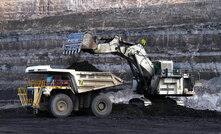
[[188, 33], [32, 9]]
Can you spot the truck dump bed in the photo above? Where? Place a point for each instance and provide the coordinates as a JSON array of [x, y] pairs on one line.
[[83, 81], [88, 81]]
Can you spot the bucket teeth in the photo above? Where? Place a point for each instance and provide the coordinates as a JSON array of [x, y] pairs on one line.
[[71, 50], [73, 43]]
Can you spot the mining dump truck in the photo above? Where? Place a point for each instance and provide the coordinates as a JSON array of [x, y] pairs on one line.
[[61, 91]]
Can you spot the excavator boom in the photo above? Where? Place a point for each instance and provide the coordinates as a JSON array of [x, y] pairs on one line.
[[135, 53]]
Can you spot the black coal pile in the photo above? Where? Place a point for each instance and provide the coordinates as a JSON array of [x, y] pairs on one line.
[[122, 111], [163, 110], [124, 119], [83, 66]]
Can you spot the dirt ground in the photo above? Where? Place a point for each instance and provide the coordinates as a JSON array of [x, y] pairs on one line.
[[124, 119]]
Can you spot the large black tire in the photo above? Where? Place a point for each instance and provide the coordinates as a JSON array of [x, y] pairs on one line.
[[60, 106], [101, 106]]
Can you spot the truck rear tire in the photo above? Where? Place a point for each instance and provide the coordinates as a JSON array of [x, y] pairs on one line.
[[101, 106], [60, 106]]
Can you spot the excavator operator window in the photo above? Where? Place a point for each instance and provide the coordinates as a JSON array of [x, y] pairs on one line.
[[157, 68]]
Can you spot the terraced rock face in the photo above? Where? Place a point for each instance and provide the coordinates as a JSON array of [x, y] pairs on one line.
[[32, 9], [188, 32]]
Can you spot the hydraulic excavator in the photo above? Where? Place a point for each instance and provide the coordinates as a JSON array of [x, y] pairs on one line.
[[152, 79]]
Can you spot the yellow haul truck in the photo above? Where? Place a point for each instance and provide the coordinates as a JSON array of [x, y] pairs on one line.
[[60, 91]]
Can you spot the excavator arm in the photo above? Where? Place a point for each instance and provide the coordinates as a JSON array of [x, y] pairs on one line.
[[132, 52]]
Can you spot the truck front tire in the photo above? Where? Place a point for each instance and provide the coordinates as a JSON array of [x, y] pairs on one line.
[[60, 105], [101, 106]]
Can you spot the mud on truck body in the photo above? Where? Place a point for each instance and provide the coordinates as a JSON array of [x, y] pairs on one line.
[[61, 91]]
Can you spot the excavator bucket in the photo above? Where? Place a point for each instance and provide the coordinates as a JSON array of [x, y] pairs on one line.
[[79, 41]]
